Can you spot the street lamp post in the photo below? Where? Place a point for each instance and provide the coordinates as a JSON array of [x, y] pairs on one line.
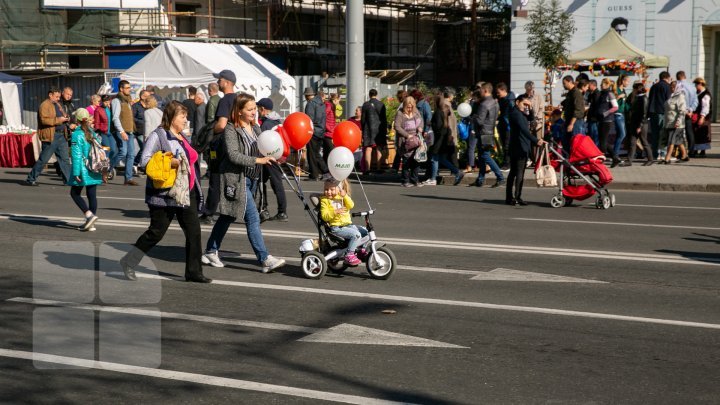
[[355, 51]]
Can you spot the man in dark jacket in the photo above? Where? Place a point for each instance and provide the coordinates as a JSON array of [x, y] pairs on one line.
[[269, 120], [373, 121], [659, 94], [315, 109], [506, 102], [138, 111], [484, 123], [521, 141], [573, 111], [189, 103]]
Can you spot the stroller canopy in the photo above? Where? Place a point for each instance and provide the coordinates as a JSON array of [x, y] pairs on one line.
[[583, 148]]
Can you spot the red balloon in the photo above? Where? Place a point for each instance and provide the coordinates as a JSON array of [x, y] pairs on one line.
[[299, 129], [347, 134], [286, 141]]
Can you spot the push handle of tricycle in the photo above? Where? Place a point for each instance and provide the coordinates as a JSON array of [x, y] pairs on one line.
[[363, 213]]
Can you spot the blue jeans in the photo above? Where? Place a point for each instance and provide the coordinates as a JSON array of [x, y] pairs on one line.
[[471, 145], [59, 146], [578, 128], [350, 233], [109, 141], [593, 132], [436, 159], [620, 132], [483, 159], [126, 153], [141, 142], [252, 223]]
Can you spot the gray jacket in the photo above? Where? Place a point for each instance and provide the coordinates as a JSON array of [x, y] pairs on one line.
[[232, 173], [315, 109], [484, 119]]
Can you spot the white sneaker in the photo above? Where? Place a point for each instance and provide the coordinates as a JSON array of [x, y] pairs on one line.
[[272, 263], [89, 222], [430, 182], [212, 259], [92, 229]]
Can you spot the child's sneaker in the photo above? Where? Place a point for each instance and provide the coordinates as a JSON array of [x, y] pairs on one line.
[[351, 259]]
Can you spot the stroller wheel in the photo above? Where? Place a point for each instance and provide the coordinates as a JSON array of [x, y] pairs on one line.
[[382, 266], [313, 265], [337, 266], [606, 202], [612, 199], [557, 201]]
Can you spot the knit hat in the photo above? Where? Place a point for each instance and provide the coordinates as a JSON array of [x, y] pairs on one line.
[[82, 114]]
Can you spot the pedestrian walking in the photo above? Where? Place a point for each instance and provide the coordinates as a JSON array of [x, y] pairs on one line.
[[607, 106], [675, 109], [81, 142], [409, 126], [122, 119], [153, 116], [240, 171], [212, 104], [506, 102], [658, 96], [200, 110], [373, 121], [95, 102], [330, 124], [443, 143], [593, 126], [521, 141], [181, 202], [315, 109], [101, 123], [573, 112], [138, 110], [484, 125], [637, 123], [702, 118], [51, 132], [691, 101], [269, 121], [623, 83], [401, 94]]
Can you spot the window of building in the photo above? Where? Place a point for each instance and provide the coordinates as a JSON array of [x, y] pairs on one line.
[[377, 33], [186, 24]]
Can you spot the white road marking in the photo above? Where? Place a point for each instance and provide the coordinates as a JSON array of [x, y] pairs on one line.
[[419, 243], [343, 333], [517, 275], [663, 206], [192, 378], [467, 304], [353, 334], [570, 221]]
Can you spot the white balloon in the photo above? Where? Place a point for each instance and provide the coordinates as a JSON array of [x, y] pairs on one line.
[[464, 110], [270, 143], [341, 162]]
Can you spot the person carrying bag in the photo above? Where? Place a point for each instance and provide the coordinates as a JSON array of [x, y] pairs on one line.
[[544, 172]]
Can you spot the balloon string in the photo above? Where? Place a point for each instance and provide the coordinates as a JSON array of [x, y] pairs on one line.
[[362, 188]]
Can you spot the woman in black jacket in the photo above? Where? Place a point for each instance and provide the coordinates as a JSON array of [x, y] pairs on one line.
[[443, 143], [636, 124], [521, 141]]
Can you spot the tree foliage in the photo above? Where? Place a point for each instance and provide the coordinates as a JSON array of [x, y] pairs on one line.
[[549, 32]]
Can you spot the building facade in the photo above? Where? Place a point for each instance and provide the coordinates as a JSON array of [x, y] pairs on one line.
[[686, 31]]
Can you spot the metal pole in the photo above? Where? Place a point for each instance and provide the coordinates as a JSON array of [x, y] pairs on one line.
[[355, 55]]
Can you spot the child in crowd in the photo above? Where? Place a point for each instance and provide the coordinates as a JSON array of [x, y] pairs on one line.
[[335, 206], [80, 146], [557, 126]]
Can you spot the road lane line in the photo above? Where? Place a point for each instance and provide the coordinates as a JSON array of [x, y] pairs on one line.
[[570, 221], [663, 206], [192, 378], [422, 243], [169, 315], [467, 304]]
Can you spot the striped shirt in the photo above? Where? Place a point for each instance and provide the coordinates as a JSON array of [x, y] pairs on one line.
[[249, 140]]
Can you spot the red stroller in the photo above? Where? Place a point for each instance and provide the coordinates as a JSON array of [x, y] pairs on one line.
[[582, 175]]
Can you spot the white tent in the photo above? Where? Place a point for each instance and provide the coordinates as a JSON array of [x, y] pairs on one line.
[[179, 64], [10, 88]]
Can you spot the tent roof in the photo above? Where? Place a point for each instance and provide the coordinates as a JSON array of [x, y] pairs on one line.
[[614, 46], [5, 78], [181, 64]]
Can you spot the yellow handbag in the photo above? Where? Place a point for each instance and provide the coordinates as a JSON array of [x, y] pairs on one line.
[[159, 171]]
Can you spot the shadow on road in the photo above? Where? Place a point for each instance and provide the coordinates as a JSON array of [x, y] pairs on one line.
[[708, 238], [130, 213]]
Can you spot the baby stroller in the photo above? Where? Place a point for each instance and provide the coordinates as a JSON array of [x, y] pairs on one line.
[[582, 175], [327, 251]]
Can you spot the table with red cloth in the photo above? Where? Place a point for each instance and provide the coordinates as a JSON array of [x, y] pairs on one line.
[[16, 150]]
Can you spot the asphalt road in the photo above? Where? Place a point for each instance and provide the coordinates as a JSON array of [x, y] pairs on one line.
[[638, 322]]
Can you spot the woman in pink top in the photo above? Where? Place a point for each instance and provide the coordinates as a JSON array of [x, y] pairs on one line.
[[94, 103], [164, 207]]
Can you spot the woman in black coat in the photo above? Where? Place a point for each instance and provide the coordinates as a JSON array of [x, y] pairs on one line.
[[521, 141]]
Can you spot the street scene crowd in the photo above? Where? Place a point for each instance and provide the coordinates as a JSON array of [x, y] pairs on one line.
[[497, 131]]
